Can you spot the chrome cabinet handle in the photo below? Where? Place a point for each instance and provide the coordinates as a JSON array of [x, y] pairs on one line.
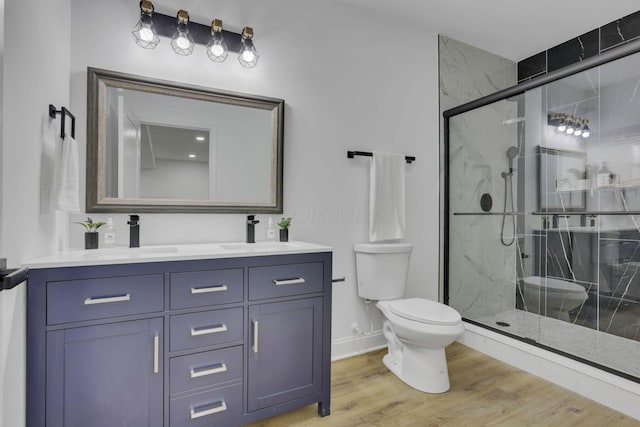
[[219, 288], [105, 300], [156, 353], [208, 370], [204, 330], [296, 281], [197, 414], [255, 336]]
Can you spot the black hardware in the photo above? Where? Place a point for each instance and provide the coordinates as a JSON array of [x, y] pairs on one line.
[[65, 113], [351, 154], [134, 231], [13, 277], [166, 26], [251, 228], [339, 279], [486, 202]]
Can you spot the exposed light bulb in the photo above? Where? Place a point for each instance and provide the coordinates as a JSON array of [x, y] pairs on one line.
[[248, 56], [182, 41], [586, 134], [146, 34], [569, 131], [561, 128], [578, 132], [217, 50]]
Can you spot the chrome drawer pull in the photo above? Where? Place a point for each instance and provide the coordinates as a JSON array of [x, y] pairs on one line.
[[105, 300], [220, 288], [156, 353], [296, 281], [197, 414], [203, 371], [255, 336], [204, 330]]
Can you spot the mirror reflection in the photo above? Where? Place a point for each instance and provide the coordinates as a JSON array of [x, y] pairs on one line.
[[157, 147]]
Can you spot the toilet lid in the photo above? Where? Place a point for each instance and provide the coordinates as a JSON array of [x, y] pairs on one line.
[[552, 284], [425, 311]]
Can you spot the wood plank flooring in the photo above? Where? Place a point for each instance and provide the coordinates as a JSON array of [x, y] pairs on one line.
[[484, 392]]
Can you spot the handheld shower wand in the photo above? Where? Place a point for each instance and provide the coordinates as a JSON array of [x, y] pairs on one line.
[[512, 153]]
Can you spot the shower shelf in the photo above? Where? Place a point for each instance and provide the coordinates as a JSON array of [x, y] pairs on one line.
[[488, 213], [578, 213]]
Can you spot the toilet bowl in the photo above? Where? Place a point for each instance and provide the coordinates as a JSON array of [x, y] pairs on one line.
[[416, 329], [552, 297]]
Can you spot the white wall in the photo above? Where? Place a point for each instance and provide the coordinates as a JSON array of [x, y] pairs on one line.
[[345, 88], [35, 74]]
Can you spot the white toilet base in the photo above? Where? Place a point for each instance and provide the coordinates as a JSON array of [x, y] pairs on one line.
[[421, 368]]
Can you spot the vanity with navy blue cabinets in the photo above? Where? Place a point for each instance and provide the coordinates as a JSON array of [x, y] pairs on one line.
[[178, 340]]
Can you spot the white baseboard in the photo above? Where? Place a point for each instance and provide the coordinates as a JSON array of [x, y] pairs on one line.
[[608, 389], [341, 348]]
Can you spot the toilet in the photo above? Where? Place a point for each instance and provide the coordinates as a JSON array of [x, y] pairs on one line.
[[561, 296], [417, 330]]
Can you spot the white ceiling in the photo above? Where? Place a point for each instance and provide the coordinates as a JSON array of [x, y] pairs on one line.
[[514, 29]]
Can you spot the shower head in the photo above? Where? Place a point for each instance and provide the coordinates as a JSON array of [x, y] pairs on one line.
[[512, 152]]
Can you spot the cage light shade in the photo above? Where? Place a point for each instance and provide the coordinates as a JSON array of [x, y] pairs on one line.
[[217, 48], [248, 55], [144, 33], [182, 41]]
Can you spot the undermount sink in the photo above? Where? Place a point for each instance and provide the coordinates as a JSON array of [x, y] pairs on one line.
[[119, 252], [259, 246]]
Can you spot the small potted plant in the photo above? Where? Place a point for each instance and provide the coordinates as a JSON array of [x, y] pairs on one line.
[[284, 229], [91, 235]]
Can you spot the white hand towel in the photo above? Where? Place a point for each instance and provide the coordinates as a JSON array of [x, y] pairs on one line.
[[387, 197], [68, 191]]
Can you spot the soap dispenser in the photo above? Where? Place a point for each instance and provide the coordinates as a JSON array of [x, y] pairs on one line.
[[109, 235], [271, 231]]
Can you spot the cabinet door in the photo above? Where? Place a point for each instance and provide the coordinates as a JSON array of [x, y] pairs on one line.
[[107, 375], [285, 351]]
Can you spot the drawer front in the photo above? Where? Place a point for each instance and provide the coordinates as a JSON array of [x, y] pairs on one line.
[[205, 369], [200, 288], [221, 407], [283, 280], [206, 328], [88, 299]]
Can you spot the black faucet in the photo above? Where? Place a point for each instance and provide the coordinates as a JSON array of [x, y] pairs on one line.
[[134, 231], [251, 228]]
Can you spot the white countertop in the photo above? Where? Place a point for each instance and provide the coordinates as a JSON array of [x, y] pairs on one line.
[[125, 255]]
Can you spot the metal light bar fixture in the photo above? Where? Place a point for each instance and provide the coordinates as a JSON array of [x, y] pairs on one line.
[[569, 125], [185, 34]]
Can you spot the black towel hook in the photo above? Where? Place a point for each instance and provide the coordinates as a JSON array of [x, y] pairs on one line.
[[65, 113]]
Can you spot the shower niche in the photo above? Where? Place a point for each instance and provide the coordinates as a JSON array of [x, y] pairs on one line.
[[556, 258]]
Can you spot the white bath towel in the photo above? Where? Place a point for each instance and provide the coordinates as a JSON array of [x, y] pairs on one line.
[[387, 197], [68, 191]]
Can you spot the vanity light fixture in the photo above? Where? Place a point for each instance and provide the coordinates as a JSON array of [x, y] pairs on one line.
[[185, 34], [144, 32], [182, 41], [248, 55], [217, 48], [569, 125]]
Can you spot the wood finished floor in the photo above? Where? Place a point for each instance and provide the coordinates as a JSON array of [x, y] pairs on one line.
[[484, 392]]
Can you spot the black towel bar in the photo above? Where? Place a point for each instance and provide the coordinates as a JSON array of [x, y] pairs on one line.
[[65, 113], [351, 154]]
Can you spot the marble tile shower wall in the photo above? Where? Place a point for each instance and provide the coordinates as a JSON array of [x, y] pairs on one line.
[[467, 73], [590, 44]]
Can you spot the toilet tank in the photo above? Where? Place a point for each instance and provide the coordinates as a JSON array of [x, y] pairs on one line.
[[382, 269]]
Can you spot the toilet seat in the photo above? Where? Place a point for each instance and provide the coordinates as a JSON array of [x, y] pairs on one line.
[[553, 285], [425, 311]]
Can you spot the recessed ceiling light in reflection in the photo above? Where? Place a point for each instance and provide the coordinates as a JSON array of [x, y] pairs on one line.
[[200, 138], [192, 156]]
